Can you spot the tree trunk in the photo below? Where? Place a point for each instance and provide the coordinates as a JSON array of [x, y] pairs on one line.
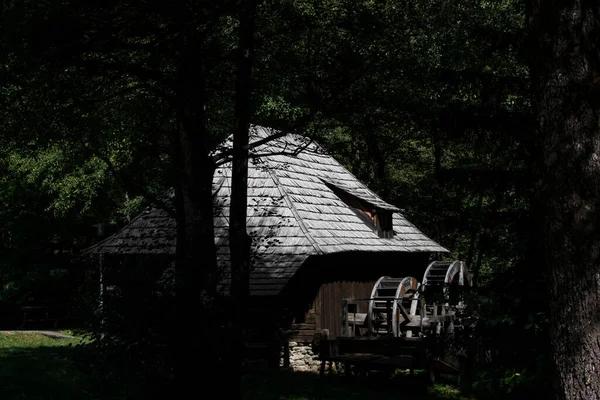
[[565, 72], [196, 263], [239, 241], [376, 156]]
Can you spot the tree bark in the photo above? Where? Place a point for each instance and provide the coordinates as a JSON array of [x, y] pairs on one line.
[[565, 71], [239, 240], [196, 263]]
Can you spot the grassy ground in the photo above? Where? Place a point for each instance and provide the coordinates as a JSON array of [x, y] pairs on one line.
[[33, 366]]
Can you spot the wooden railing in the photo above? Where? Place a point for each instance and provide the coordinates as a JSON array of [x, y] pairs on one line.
[[415, 318], [351, 318]]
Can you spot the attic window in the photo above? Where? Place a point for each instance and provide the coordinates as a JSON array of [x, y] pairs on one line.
[[383, 223], [380, 220]]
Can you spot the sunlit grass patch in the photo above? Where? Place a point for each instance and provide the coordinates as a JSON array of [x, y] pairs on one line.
[[449, 392], [15, 341], [34, 366]]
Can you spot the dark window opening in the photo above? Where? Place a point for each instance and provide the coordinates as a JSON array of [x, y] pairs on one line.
[[378, 219], [385, 227]]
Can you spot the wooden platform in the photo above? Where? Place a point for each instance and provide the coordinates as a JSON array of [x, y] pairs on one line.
[[400, 352], [386, 354]]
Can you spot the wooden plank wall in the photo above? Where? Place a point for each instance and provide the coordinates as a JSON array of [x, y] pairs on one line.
[[326, 311], [317, 289], [306, 330], [330, 299]]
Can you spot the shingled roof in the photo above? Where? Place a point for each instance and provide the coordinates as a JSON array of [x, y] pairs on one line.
[[293, 213]]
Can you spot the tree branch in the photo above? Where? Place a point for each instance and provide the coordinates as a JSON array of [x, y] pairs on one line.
[[294, 153]]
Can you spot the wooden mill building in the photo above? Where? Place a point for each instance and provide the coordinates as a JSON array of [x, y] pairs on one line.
[[320, 235]]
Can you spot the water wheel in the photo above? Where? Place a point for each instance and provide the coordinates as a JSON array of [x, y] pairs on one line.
[[391, 304], [442, 281], [443, 285]]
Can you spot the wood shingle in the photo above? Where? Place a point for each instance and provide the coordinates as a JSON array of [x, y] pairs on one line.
[[293, 214]]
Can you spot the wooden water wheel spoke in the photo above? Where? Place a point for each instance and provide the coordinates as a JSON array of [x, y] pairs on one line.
[[391, 304]]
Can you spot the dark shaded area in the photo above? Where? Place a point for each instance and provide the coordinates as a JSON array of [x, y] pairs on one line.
[[79, 372], [48, 373], [427, 103], [308, 385], [82, 371]]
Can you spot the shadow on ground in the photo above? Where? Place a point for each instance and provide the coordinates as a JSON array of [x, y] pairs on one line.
[[41, 373], [306, 385], [74, 372], [65, 372]]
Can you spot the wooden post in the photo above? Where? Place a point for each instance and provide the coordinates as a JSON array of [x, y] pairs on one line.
[[413, 305], [423, 313], [322, 369], [286, 353], [347, 373], [101, 310], [369, 322], [388, 306], [101, 281], [406, 316], [352, 310], [345, 326]]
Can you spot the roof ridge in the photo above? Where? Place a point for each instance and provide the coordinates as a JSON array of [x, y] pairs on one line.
[[290, 204], [339, 186]]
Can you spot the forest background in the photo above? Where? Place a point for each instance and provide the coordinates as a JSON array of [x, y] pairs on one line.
[[433, 104]]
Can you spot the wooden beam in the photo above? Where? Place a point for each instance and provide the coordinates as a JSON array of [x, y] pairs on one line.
[[388, 306], [345, 321]]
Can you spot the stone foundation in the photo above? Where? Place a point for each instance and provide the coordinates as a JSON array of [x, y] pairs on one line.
[[302, 357]]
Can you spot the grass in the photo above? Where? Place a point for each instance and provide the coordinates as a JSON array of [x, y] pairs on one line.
[[33, 366], [17, 341]]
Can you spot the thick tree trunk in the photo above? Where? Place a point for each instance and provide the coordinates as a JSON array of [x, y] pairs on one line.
[[196, 264], [239, 239], [565, 74]]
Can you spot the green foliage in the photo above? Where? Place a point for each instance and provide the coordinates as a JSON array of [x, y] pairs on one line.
[[512, 383], [426, 102], [72, 189], [519, 367]]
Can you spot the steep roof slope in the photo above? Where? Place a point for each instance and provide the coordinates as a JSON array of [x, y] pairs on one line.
[[305, 181], [293, 213]]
